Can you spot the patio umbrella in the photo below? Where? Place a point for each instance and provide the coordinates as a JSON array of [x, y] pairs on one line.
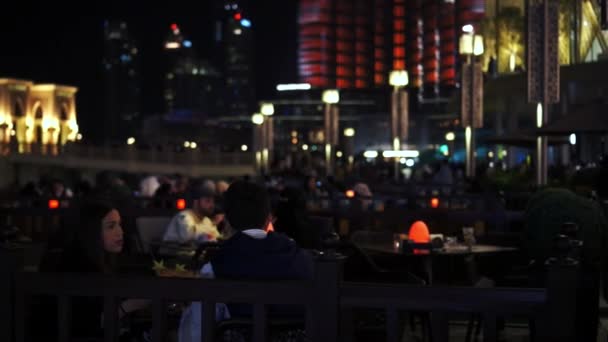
[[591, 119]]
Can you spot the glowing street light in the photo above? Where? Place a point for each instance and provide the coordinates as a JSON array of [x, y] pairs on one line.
[[130, 141], [257, 119], [470, 46], [398, 78], [267, 109], [349, 132], [330, 97], [399, 112]]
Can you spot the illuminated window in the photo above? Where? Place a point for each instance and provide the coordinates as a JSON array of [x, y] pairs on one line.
[[379, 54], [399, 11], [379, 79], [361, 59], [360, 84], [343, 47], [399, 25], [342, 83], [399, 64], [398, 52], [398, 38], [378, 66], [343, 72], [344, 59]]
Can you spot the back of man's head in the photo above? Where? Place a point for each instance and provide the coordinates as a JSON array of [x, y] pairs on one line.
[[247, 206]]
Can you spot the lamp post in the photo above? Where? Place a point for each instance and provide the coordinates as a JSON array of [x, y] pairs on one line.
[[450, 137], [399, 113], [349, 136], [258, 120], [470, 46], [267, 110], [330, 98]]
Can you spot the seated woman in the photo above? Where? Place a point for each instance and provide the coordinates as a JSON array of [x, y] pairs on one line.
[[95, 250]]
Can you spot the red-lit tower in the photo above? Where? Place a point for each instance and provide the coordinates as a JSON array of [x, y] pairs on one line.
[[431, 54], [415, 46], [449, 45], [356, 43]]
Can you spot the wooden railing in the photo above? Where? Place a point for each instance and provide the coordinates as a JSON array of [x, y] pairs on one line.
[[327, 300], [386, 212]]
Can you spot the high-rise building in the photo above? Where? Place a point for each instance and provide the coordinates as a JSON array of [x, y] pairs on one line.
[[193, 86], [356, 43], [122, 81], [234, 37]]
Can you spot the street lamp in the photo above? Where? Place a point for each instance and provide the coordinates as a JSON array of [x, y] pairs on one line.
[[399, 113], [470, 46], [267, 109], [258, 119], [349, 146], [450, 137], [331, 98]]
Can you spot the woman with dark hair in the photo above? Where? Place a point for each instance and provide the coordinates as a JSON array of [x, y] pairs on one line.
[[98, 240], [95, 249]]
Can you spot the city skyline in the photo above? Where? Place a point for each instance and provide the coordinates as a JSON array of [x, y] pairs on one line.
[[66, 50]]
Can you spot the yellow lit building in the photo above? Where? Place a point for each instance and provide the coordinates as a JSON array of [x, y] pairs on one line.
[[581, 38], [36, 117]]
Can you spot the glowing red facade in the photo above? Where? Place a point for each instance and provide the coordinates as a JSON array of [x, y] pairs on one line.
[[356, 43]]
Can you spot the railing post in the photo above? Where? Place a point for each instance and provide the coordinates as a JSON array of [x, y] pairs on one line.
[[558, 320], [7, 267], [326, 302]]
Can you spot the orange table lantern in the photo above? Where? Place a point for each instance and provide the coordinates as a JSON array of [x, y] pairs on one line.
[[180, 204], [53, 204], [419, 233]]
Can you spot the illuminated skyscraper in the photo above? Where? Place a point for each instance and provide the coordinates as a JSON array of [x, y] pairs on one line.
[[122, 81], [192, 86], [234, 38]]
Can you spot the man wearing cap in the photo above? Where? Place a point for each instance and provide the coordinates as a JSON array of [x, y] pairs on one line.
[[194, 224]]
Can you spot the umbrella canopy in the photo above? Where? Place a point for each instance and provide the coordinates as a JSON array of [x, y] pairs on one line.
[[521, 140], [592, 119]]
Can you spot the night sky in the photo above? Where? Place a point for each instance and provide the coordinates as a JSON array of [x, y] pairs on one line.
[[50, 46]]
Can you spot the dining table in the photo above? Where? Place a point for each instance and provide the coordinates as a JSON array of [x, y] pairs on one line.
[[427, 257]]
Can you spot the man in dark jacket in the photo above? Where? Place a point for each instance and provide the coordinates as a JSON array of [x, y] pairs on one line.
[[250, 253]]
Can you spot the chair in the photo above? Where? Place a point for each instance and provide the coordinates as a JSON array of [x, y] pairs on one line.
[[150, 231]]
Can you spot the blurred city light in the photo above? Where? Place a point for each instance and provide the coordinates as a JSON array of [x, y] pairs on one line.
[[293, 86], [267, 109], [398, 78], [331, 96], [349, 132], [370, 154], [257, 118], [401, 154]]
